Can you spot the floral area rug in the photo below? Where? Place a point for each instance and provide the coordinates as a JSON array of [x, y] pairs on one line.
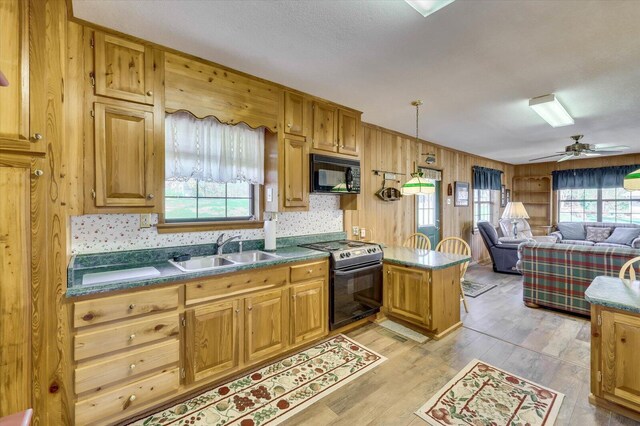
[[482, 394], [276, 392]]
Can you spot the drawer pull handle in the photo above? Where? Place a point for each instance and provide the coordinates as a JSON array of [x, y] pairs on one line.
[[150, 196], [132, 366], [37, 136], [309, 271], [132, 306], [133, 336], [149, 93], [132, 397]]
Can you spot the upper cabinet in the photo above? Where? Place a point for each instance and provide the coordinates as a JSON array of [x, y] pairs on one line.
[[22, 102], [325, 127], [123, 69], [348, 129], [295, 114]]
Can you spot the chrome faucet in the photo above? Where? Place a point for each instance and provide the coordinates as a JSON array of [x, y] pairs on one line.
[[220, 243]]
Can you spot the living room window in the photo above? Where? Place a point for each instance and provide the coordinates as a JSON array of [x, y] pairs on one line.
[[482, 206], [615, 205]]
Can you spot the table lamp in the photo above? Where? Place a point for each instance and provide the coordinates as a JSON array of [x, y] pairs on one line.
[[515, 210]]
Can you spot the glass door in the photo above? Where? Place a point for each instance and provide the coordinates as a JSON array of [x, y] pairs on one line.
[[428, 214]]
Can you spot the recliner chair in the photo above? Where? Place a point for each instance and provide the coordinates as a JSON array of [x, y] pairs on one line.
[[503, 255]]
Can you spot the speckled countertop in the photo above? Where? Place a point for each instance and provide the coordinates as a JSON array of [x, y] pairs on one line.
[[286, 252], [425, 259], [611, 292]]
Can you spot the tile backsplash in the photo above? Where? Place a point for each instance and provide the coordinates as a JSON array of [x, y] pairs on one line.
[[117, 232]]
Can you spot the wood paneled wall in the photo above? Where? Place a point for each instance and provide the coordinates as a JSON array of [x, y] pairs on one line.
[[392, 222]]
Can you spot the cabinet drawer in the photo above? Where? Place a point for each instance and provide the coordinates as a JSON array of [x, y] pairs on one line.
[[96, 375], [105, 309], [125, 401], [308, 271], [125, 335], [234, 285]]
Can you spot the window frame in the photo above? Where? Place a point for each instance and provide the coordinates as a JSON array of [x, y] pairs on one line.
[[599, 200], [477, 204]]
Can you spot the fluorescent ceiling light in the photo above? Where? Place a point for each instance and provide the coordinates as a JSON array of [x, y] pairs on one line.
[[551, 110], [427, 7]]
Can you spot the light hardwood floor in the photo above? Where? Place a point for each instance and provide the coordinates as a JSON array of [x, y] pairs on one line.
[[547, 347]]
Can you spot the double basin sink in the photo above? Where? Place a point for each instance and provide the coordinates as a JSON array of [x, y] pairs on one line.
[[207, 263]]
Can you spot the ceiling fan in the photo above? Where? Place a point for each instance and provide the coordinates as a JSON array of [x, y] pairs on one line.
[[577, 150]]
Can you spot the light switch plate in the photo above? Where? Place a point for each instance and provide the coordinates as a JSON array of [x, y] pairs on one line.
[[363, 233], [145, 220]]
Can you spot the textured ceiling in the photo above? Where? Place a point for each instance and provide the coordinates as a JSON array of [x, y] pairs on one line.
[[474, 63]]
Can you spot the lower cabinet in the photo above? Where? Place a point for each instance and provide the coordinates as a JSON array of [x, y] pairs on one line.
[[266, 324], [614, 359], [407, 293], [308, 311]]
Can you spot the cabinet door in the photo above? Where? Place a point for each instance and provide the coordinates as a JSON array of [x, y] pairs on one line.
[[620, 366], [407, 293], [212, 336], [296, 173], [348, 132], [308, 311], [325, 133], [21, 101], [294, 114], [123, 69], [123, 155], [266, 320]]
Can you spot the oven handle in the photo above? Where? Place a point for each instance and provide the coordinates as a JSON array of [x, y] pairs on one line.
[[351, 271]]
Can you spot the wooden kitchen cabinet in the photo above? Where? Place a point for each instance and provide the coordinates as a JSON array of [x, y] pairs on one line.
[[266, 324], [308, 311], [212, 339], [296, 173], [124, 155], [23, 101], [407, 293], [295, 114], [325, 127], [348, 129], [615, 371], [123, 69]]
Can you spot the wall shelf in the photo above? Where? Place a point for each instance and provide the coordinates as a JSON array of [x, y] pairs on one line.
[[535, 192]]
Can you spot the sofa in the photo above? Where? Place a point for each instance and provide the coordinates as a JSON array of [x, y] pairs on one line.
[[557, 275], [576, 233]]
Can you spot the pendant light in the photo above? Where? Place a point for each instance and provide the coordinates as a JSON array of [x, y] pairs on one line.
[[417, 184], [632, 181]]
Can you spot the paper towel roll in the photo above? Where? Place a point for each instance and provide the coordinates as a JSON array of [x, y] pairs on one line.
[[270, 235]]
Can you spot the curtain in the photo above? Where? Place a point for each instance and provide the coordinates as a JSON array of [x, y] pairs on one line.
[[207, 150], [600, 177], [484, 178]]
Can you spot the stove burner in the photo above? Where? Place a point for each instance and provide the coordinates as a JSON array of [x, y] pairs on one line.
[[355, 244]]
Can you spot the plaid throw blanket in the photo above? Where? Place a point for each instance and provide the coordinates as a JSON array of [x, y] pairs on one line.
[[557, 275]]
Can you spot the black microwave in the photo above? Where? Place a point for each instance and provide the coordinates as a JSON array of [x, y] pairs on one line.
[[332, 175]]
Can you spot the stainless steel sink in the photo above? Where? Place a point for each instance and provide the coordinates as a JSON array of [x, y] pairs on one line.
[[203, 263], [250, 256]]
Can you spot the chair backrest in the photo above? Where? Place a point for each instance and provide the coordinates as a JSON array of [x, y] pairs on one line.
[[524, 230], [456, 245], [488, 233], [628, 267], [418, 241]]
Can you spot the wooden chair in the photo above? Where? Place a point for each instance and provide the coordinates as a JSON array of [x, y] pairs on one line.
[[418, 241], [457, 245], [628, 267]]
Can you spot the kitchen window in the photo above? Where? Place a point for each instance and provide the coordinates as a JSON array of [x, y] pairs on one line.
[[482, 206], [613, 205]]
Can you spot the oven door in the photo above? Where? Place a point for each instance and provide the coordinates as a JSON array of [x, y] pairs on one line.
[[355, 293]]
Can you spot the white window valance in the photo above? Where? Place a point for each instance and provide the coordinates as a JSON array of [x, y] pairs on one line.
[[207, 150]]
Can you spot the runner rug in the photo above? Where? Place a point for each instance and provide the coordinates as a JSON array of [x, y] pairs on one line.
[[482, 394], [276, 392], [474, 289]]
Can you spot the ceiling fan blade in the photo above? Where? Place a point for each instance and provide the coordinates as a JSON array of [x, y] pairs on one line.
[[548, 156], [607, 152], [567, 157], [604, 146], [593, 154]]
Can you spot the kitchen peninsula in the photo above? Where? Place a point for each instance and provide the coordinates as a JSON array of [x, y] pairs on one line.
[[422, 288]]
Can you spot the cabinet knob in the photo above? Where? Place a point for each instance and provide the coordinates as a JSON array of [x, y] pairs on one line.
[[249, 308], [149, 93], [150, 196], [132, 366], [38, 172], [132, 397], [341, 146], [309, 271], [289, 125], [237, 311], [131, 337], [288, 199], [132, 306], [37, 136]]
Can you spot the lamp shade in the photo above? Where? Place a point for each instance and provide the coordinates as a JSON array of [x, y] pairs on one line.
[[515, 210], [632, 181], [418, 185]]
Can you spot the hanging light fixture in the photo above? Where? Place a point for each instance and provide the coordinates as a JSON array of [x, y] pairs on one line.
[[632, 181], [417, 184]]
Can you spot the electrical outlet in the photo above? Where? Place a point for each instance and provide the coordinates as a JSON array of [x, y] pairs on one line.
[[363, 233], [145, 220], [355, 230]]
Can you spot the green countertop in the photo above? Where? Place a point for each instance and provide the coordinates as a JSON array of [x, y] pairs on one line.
[[611, 292], [424, 259]]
